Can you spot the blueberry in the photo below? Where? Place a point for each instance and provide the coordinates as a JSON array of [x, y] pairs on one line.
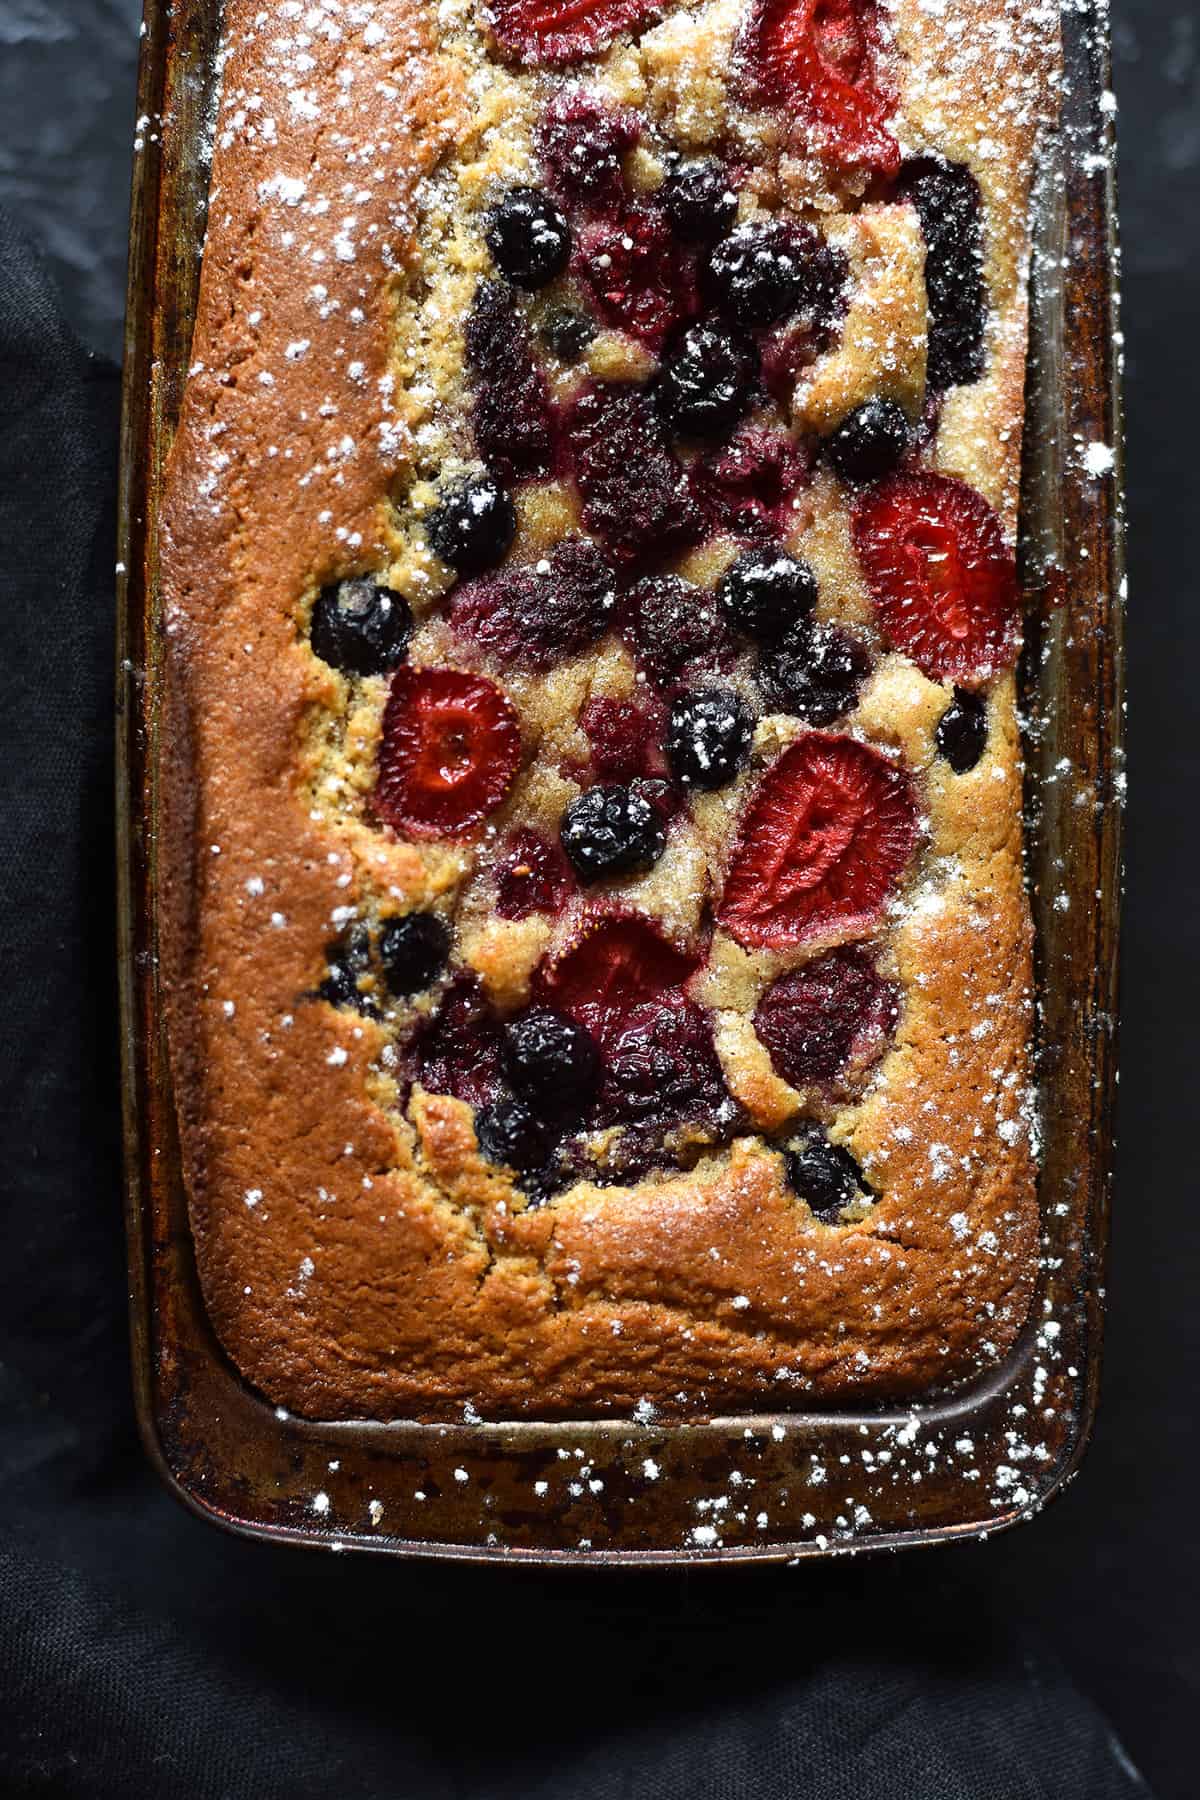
[[815, 673], [552, 1061], [700, 201], [566, 333], [949, 205], [507, 1132], [349, 960], [708, 737], [825, 1175], [611, 831], [961, 735], [706, 380], [870, 442], [472, 525], [763, 272], [360, 627], [413, 950], [529, 238], [765, 592]]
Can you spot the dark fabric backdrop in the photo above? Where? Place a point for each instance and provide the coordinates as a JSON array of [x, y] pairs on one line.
[[143, 1654]]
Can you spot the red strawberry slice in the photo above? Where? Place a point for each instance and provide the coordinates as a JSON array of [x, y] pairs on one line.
[[819, 59], [449, 753], [621, 961], [822, 844], [564, 31], [943, 579]]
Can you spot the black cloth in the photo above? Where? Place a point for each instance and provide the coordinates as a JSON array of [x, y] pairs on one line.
[[141, 1653]]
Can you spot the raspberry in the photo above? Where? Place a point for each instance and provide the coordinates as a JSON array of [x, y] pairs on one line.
[[822, 844], [814, 673], [946, 196], [449, 752], [582, 143], [564, 31], [707, 380], [748, 486], [531, 615], [672, 627], [625, 738], [460, 1049], [641, 279], [832, 1018], [511, 408], [660, 1069], [635, 493], [942, 577], [620, 962], [532, 876], [818, 60]]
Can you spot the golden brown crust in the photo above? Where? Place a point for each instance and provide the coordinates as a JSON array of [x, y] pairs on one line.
[[359, 1260]]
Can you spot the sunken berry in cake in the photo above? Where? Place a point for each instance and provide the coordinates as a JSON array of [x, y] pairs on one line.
[[597, 960]]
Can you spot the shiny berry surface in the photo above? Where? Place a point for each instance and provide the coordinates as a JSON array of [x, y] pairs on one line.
[[763, 272], [473, 523], [509, 1133], [765, 592], [349, 961], [673, 627], [529, 238], [700, 200], [962, 731], [825, 1175], [708, 737], [612, 830], [815, 672], [360, 627], [552, 1061], [413, 950], [706, 381], [871, 442]]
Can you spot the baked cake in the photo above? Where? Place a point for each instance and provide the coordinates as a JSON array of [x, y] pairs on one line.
[[592, 919]]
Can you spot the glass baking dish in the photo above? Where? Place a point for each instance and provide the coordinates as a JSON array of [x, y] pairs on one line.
[[768, 1487]]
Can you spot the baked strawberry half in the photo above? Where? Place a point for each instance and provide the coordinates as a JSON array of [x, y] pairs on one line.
[[620, 962], [822, 845], [449, 753], [942, 576], [819, 60], [564, 31]]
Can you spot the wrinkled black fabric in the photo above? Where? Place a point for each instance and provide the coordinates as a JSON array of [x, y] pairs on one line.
[[141, 1653]]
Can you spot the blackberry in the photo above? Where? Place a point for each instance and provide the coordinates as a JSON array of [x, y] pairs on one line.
[[611, 830], [414, 950], [708, 737], [815, 673], [870, 442], [961, 736], [360, 627], [671, 625], [699, 201], [510, 408], [766, 592], [472, 525], [946, 196], [529, 238], [764, 272], [349, 959], [634, 489], [706, 381], [552, 1061], [566, 333], [825, 1175], [507, 1132]]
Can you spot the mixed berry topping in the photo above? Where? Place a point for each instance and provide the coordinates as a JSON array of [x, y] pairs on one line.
[[414, 950], [943, 578], [532, 876], [459, 1050], [510, 411], [961, 736], [660, 1071], [473, 523], [707, 380], [360, 627], [673, 627], [612, 830], [639, 277], [765, 272], [825, 1175], [871, 442], [529, 238], [619, 962], [533, 614], [822, 845], [946, 196], [766, 592], [814, 672], [634, 490], [819, 62], [700, 200], [708, 737], [831, 1018], [450, 751], [625, 737]]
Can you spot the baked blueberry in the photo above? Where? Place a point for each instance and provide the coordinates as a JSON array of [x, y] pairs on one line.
[[706, 380], [611, 830], [566, 332], [765, 592], [949, 205], [700, 201], [473, 523], [708, 737], [349, 959], [815, 672], [552, 1061], [413, 950], [508, 1132], [961, 736], [870, 442], [529, 238], [760, 273], [824, 1174], [360, 627]]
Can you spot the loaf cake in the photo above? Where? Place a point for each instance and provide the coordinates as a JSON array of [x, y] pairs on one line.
[[592, 931]]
